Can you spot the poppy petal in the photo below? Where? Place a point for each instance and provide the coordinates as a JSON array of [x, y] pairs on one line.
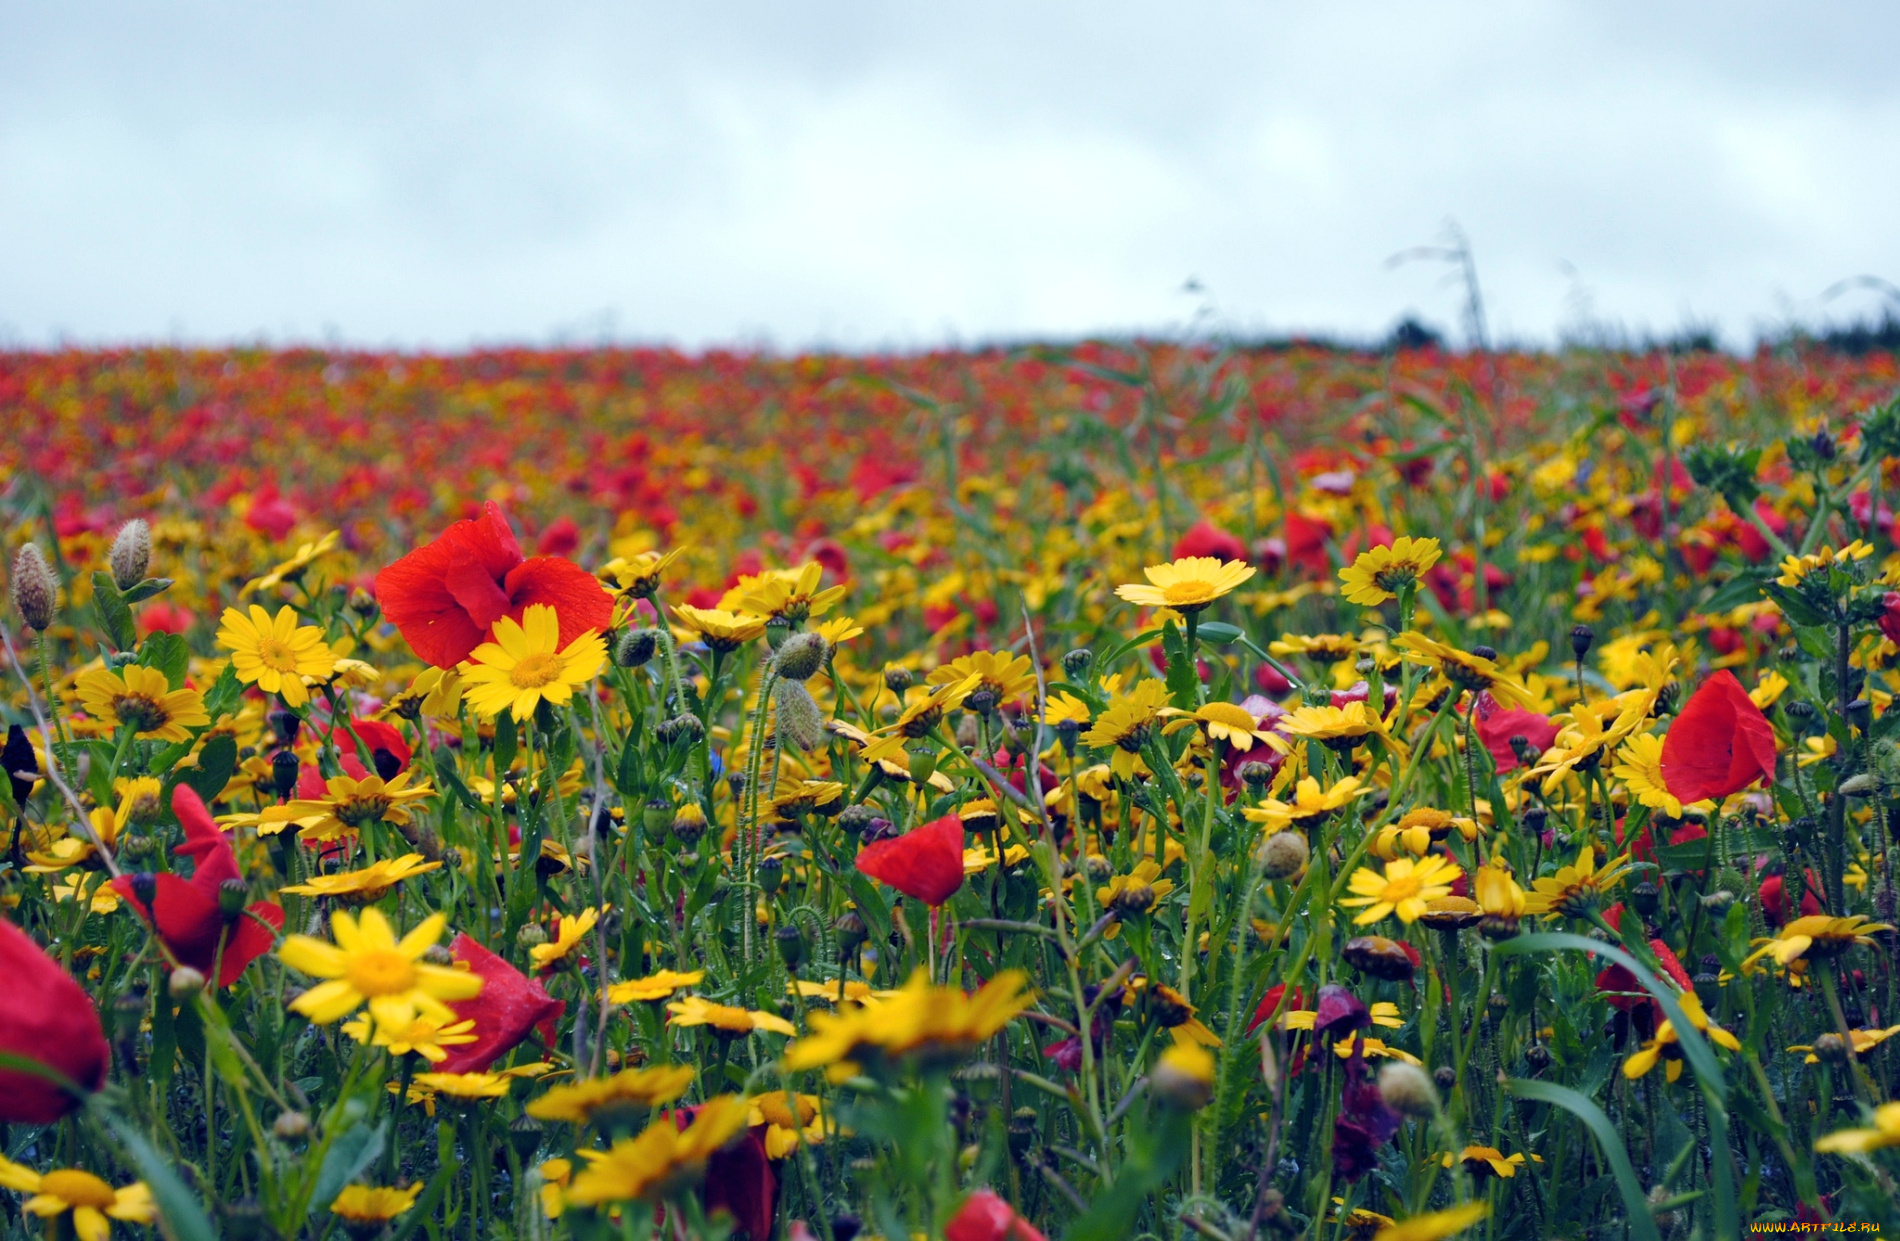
[[925, 864], [1720, 743]]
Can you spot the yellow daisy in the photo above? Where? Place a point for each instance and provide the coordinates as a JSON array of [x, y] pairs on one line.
[[1186, 585], [276, 653], [525, 665]]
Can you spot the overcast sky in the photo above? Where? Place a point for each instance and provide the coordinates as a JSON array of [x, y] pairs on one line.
[[903, 174]]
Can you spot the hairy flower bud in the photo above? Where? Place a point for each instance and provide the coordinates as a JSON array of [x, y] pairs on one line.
[[185, 982], [635, 647], [801, 723], [1284, 855], [35, 591], [802, 657], [1407, 1089], [131, 554]]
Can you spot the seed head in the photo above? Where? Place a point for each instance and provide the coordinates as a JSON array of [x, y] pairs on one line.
[[1284, 855]]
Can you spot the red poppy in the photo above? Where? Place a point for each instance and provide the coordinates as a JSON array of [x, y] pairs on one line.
[[739, 1181], [1774, 899], [1271, 1001], [47, 1018], [1720, 744], [1496, 727], [190, 917], [445, 595], [1208, 539], [986, 1217], [925, 864], [560, 538], [509, 1006]]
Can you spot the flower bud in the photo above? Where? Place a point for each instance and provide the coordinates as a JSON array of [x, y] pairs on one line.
[[802, 657], [851, 933], [636, 647], [531, 935], [683, 727], [770, 874], [801, 723], [131, 554], [290, 1127], [1407, 1089], [35, 591], [790, 942], [1284, 855], [897, 679], [231, 894], [689, 824], [1829, 1048], [185, 982], [1184, 1077], [1445, 1076], [1076, 664], [1582, 638], [1067, 732]]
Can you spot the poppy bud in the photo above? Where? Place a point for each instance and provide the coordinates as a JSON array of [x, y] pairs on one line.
[[231, 898], [851, 934], [923, 765], [636, 647], [1256, 774], [35, 591], [770, 874], [897, 679], [802, 657], [1445, 1076], [800, 721], [1067, 731], [1582, 638], [1644, 898], [1860, 713], [131, 554], [1407, 1090], [1076, 664], [185, 982], [1538, 1057], [1284, 855], [791, 945]]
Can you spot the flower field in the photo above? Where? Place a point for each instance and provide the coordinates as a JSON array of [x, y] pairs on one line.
[[1087, 792]]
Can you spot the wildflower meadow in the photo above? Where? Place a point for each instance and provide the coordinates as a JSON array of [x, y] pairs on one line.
[[1109, 791]]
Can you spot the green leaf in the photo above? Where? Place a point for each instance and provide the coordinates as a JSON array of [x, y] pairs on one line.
[[1114, 1213], [114, 616], [1642, 1225], [181, 1217], [168, 653], [1184, 681], [628, 776], [1798, 610], [147, 589], [225, 693], [1744, 587], [348, 1158], [445, 774], [216, 762]]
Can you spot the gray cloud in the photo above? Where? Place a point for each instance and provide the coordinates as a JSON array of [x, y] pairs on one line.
[[890, 173]]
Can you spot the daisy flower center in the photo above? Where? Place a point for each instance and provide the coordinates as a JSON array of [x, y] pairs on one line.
[[80, 1189], [536, 670], [1191, 591], [276, 654], [382, 972], [355, 811], [143, 713], [1402, 888]]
